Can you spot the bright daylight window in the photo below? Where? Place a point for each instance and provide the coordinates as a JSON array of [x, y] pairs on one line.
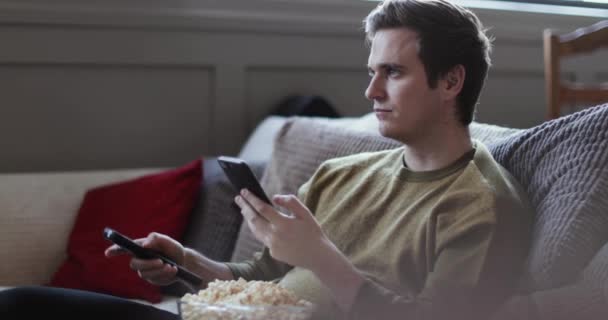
[[601, 4], [577, 3], [591, 8]]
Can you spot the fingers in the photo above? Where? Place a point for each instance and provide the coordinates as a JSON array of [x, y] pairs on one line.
[[258, 224], [164, 275], [154, 270], [157, 242], [145, 264], [262, 208], [114, 250], [294, 205], [164, 245]]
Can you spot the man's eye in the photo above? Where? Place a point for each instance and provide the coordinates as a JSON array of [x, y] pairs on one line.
[[371, 73], [393, 72]]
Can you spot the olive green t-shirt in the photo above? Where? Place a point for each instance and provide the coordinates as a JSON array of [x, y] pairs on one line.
[[446, 242]]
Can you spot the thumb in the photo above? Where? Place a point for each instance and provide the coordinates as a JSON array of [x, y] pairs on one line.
[[294, 205], [160, 243], [165, 245]]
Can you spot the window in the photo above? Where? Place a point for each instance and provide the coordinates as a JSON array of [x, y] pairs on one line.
[[588, 8], [578, 3]]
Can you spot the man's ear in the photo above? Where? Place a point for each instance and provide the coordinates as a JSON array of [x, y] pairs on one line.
[[451, 83]]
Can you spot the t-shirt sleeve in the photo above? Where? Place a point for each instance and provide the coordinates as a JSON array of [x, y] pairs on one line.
[[261, 267], [475, 265]]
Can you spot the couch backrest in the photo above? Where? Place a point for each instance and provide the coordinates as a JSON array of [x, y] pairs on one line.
[[37, 212], [562, 164]]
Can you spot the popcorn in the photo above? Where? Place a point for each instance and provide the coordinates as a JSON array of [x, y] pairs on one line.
[[244, 300]]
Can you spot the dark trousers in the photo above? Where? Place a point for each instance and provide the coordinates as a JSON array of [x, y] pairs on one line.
[[55, 303]]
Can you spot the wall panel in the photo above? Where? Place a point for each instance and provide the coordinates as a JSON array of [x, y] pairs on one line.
[[342, 87], [80, 116], [94, 84]]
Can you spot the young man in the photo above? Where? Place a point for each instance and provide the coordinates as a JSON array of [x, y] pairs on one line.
[[432, 230], [435, 229]]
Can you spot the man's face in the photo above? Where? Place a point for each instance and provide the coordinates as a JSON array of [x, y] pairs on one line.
[[407, 109]]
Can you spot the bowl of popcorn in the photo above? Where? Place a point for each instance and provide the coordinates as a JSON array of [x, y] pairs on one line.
[[244, 300]]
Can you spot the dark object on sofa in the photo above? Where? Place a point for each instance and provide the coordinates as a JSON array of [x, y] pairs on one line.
[[305, 105]]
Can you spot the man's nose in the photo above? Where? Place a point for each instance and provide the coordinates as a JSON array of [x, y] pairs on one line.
[[375, 90]]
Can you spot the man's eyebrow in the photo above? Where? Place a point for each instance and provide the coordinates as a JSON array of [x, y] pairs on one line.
[[387, 66]]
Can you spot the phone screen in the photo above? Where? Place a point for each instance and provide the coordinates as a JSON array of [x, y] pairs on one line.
[[242, 177]]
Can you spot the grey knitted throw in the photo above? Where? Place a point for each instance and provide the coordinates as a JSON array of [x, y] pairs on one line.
[[563, 165]]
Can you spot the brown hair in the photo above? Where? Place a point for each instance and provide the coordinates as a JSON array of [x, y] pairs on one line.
[[448, 35]]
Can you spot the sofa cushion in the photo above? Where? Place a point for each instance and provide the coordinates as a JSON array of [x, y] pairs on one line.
[[214, 223], [258, 147], [563, 166], [158, 202]]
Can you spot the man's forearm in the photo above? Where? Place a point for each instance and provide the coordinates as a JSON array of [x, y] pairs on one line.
[[339, 275], [206, 268]]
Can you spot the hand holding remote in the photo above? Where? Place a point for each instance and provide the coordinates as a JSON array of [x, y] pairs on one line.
[[152, 265]]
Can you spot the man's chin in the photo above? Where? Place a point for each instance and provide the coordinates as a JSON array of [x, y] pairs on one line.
[[391, 134], [386, 132]]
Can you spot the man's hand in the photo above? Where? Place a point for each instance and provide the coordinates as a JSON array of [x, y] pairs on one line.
[[154, 270], [294, 239], [298, 240]]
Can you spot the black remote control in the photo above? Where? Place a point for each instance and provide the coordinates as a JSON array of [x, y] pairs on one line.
[[145, 253]]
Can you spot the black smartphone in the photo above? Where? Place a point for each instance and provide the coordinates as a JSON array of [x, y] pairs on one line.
[[144, 253], [242, 177]]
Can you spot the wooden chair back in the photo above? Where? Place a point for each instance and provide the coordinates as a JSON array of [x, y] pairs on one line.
[[556, 47]]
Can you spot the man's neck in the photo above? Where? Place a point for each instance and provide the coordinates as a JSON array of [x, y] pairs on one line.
[[438, 150]]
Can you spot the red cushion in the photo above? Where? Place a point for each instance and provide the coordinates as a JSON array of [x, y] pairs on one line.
[[158, 202]]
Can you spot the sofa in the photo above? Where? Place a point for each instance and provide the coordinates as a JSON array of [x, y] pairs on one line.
[[562, 164]]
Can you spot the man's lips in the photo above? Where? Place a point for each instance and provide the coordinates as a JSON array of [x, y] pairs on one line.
[[382, 110], [382, 114]]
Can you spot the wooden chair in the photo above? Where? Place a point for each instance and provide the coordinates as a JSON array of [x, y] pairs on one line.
[[556, 47]]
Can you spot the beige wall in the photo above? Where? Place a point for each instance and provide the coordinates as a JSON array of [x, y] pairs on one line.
[[106, 84]]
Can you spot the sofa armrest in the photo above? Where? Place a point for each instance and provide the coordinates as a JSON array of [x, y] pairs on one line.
[[37, 212]]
